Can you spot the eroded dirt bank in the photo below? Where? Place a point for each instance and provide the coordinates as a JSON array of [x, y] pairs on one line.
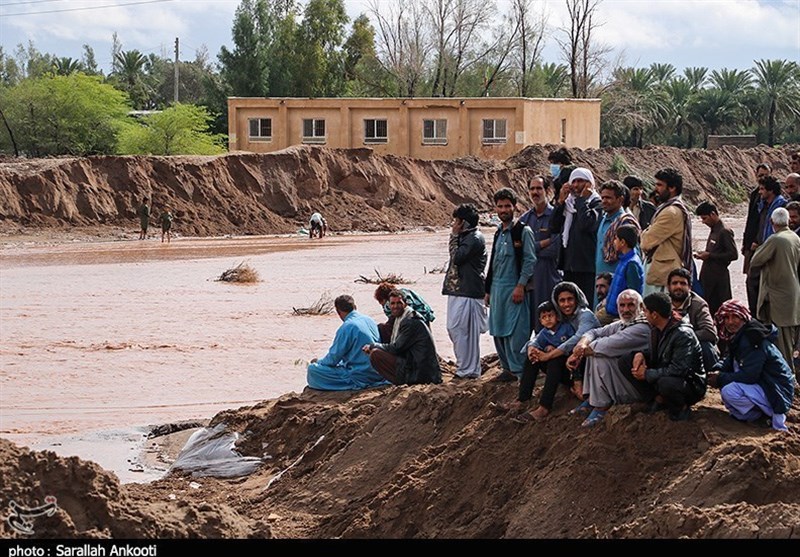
[[355, 189], [436, 461]]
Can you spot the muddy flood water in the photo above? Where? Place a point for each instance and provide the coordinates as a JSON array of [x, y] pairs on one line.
[[101, 340]]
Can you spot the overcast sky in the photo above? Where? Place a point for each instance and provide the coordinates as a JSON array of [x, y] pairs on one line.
[[711, 33]]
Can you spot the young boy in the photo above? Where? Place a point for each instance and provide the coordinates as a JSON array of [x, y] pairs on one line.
[[166, 224], [628, 274], [552, 335]]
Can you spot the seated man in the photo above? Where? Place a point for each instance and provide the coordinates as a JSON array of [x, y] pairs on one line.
[[599, 351], [754, 379], [694, 308], [670, 373], [410, 358], [346, 367], [412, 299]]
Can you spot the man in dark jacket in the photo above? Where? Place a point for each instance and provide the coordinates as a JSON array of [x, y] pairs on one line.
[[754, 379], [719, 253], [640, 207], [410, 358], [671, 373], [576, 216], [465, 288]]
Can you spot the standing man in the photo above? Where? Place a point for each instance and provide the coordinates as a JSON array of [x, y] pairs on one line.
[[794, 216], [640, 207], [576, 216], [464, 286], [612, 195], [346, 367], [769, 190], [791, 187], [751, 231], [510, 268], [719, 253], [547, 245], [778, 260], [667, 242], [410, 357], [144, 218]]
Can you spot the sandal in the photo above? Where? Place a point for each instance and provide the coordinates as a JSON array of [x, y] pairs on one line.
[[524, 418], [582, 410], [594, 418], [504, 407]]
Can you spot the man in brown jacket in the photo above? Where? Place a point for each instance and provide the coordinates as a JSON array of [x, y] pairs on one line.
[[667, 242], [779, 290]]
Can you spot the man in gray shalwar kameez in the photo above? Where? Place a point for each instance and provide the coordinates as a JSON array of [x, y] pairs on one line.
[[600, 348]]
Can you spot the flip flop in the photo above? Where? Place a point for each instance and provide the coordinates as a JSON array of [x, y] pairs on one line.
[[524, 418], [594, 418], [582, 410]]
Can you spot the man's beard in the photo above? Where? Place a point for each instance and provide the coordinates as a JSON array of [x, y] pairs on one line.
[[679, 296], [627, 320]]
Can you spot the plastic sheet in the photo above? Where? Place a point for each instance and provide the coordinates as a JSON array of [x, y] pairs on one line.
[[211, 452]]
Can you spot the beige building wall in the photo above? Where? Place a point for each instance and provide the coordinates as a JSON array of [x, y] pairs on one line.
[[513, 123]]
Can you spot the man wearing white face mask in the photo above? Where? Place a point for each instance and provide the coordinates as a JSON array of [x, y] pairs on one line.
[[576, 215]]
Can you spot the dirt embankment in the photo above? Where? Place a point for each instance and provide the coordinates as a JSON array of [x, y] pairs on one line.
[[438, 462], [355, 189]]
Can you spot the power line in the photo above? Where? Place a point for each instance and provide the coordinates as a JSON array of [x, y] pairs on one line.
[[30, 2], [90, 8]]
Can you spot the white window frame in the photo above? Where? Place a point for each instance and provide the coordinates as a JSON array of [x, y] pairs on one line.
[[439, 127], [371, 124], [317, 136], [258, 137], [495, 137]]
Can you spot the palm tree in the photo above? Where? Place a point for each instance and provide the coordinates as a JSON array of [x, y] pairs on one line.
[[716, 111], [66, 66], [696, 77], [680, 94], [662, 72], [778, 86], [736, 82], [553, 77], [131, 76]]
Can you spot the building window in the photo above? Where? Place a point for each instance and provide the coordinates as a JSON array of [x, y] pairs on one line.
[[434, 132], [313, 131], [494, 131], [563, 130], [376, 131], [260, 129]]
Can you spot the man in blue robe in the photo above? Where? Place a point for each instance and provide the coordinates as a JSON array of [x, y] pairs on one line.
[[346, 367]]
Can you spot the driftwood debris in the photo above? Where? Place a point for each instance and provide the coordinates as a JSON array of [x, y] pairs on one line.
[[391, 278], [240, 273], [323, 306]]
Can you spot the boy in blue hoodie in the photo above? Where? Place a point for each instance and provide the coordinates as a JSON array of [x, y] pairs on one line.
[[628, 274]]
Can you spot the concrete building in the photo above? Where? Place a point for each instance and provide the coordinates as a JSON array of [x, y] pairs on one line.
[[425, 128]]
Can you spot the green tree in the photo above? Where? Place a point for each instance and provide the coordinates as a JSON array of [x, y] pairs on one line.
[[130, 77], [10, 73], [182, 129], [778, 88], [319, 49], [716, 111], [284, 62], [66, 66], [245, 69], [662, 73], [733, 81], [63, 115], [696, 77], [88, 61], [680, 94]]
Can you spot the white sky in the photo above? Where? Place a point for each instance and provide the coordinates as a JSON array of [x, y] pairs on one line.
[[711, 33]]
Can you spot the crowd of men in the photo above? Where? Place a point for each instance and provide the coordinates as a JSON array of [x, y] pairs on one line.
[[598, 289]]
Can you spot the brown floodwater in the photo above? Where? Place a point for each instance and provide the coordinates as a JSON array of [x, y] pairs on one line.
[[102, 339]]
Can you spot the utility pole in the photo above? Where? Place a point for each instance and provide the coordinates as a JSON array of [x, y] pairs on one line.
[[176, 70]]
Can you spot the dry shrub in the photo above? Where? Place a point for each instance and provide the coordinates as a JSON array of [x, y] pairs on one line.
[[435, 270], [240, 273], [323, 306], [391, 277]]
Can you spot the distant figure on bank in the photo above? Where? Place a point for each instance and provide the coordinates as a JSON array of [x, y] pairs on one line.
[[346, 367], [411, 298], [670, 373], [719, 253], [410, 357], [166, 225], [317, 226], [144, 218], [754, 378], [464, 286]]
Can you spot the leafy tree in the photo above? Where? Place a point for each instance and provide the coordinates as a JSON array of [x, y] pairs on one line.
[[778, 87], [319, 42], [246, 67], [66, 66], [31, 62], [181, 129], [680, 95], [88, 62], [716, 111], [63, 115], [284, 62], [10, 73]]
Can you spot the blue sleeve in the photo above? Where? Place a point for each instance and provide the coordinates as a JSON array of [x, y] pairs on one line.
[[340, 346], [633, 278], [528, 256], [551, 251]]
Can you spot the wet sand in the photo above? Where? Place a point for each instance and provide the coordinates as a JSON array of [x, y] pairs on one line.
[[102, 340]]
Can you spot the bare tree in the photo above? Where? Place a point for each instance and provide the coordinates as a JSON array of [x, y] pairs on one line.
[[584, 56], [530, 25], [401, 45]]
